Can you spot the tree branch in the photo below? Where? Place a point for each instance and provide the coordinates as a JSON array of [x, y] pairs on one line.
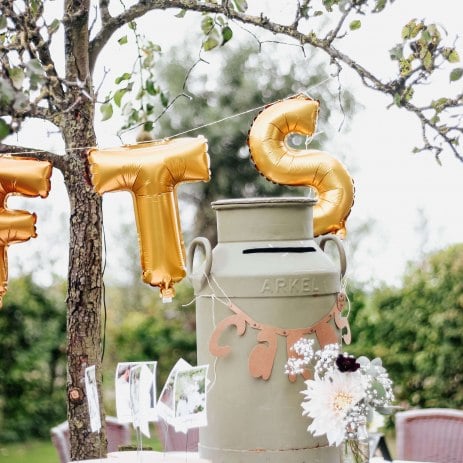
[[104, 11], [262, 22], [43, 53], [57, 160], [31, 111], [443, 134], [334, 33], [112, 23], [368, 78]]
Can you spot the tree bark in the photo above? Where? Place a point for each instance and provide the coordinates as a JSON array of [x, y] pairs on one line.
[[84, 298], [85, 248], [84, 295]]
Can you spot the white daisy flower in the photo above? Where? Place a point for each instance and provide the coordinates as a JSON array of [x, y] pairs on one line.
[[329, 399]]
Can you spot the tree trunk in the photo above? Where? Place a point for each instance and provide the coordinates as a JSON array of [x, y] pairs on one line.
[[84, 289], [85, 244], [84, 307]]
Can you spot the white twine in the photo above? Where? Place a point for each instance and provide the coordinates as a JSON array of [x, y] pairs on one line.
[[83, 148]]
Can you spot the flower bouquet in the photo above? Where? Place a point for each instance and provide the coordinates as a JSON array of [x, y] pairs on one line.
[[342, 396]]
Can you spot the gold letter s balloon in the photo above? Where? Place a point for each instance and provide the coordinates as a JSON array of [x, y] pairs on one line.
[[26, 177], [151, 172], [282, 164]]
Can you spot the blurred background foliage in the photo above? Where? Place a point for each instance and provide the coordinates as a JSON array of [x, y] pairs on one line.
[[416, 328], [247, 79], [32, 360]]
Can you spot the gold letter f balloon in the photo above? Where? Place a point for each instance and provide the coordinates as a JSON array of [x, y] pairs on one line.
[[151, 172], [26, 177]]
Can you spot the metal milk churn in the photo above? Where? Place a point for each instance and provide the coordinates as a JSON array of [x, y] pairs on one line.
[[265, 284]]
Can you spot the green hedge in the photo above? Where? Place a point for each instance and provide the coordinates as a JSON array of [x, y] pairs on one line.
[[32, 360], [417, 330]]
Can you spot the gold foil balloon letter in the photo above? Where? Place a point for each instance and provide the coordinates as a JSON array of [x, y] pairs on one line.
[[151, 171], [26, 177], [282, 164]]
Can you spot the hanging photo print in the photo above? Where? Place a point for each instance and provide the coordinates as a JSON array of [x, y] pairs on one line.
[[92, 399], [190, 398], [136, 393], [166, 399], [182, 402]]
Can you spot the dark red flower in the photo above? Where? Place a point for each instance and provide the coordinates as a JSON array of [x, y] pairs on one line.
[[347, 363]]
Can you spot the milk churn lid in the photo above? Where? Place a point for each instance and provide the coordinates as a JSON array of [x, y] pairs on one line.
[[264, 202]]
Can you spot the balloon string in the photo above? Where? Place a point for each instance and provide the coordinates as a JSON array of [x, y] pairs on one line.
[[83, 148], [103, 294], [211, 385]]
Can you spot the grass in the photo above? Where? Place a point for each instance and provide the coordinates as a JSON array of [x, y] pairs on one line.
[[28, 452], [44, 451]]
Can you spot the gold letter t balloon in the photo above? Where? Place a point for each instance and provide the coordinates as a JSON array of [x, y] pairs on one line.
[[26, 177], [151, 171]]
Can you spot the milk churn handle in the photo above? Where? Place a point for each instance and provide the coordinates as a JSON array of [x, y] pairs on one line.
[[342, 253], [206, 245]]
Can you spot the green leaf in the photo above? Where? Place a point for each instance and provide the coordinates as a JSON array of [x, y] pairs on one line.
[[354, 25], [318, 13], [134, 116], [106, 110], [118, 96], [123, 40], [148, 61], [451, 55], [34, 6], [155, 47], [411, 29], [148, 126], [132, 25], [34, 81], [54, 26], [4, 129], [408, 94], [428, 61], [3, 22], [164, 99], [240, 5], [210, 43], [17, 77], [121, 78], [405, 67], [422, 48], [207, 24], [396, 53], [7, 92], [456, 74], [439, 104], [328, 4], [433, 31], [35, 73], [181, 14], [426, 36], [151, 89], [34, 67], [227, 34], [380, 5]]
